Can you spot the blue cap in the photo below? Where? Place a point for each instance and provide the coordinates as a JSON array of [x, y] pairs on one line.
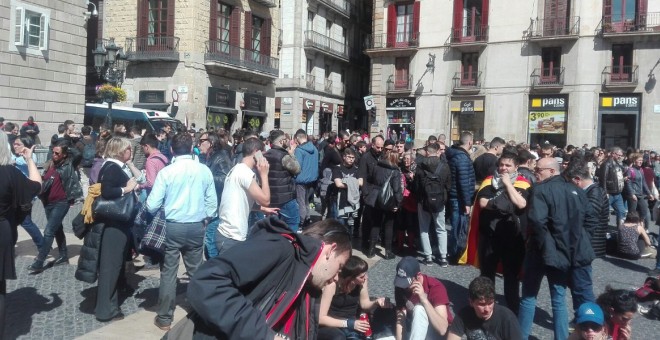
[[589, 312]]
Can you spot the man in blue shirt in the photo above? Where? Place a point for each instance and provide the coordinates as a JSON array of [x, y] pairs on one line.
[[308, 157], [186, 191]]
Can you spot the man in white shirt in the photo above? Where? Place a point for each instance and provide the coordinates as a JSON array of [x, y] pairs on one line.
[[186, 191], [240, 193]]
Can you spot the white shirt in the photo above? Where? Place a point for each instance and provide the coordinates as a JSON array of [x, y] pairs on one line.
[[185, 189], [236, 203]]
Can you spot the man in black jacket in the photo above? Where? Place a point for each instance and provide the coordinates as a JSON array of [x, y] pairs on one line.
[[558, 244], [611, 178], [244, 295], [368, 163], [283, 168]]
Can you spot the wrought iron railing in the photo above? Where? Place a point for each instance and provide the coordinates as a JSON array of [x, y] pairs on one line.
[[221, 51], [467, 80], [310, 81], [548, 77], [326, 44], [620, 75], [554, 27], [152, 47], [393, 40], [469, 34], [400, 83], [646, 22]]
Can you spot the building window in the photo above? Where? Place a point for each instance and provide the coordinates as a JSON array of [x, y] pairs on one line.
[[224, 26], [624, 15], [403, 24], [156, 24], [310, 66], [556, 14], [469, 69], [327, 71], [401, 73], [470, 20], [328, 28], [622, 66], [257, 24], [310, 21], [31, 28]]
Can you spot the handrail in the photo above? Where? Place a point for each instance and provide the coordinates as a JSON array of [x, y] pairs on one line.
[[325, 43], [222, 51], [557, 26], [547, 76], [394, 40]]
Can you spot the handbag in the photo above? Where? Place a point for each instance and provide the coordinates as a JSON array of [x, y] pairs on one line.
[[121, 209], [385, 198]]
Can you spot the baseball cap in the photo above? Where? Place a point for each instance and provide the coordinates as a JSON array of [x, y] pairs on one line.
[[589, 312], [406, 270]]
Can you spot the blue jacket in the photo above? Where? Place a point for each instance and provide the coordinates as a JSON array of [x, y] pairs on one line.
[[308, 157], [462, 175]]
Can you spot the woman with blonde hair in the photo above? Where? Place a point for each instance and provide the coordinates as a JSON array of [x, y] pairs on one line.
[[117, 177]]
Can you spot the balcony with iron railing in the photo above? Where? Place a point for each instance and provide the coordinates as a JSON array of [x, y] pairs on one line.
[[554, 28], [310, 81], [467, 82], [548, 78], [220, 53], [469, 38], [640, 24], [327, 45], [399, 42], [620, 76], [342, 7], [400, 83], [152, 48]]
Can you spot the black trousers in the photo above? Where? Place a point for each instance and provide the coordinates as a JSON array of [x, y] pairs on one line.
[[505, 244], [382, 219], [114, 247]]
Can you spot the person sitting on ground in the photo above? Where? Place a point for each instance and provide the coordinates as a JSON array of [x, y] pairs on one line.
[[342, 301], [483, 319], [589, 323], [421, 301], [619, 306], [633, 241]]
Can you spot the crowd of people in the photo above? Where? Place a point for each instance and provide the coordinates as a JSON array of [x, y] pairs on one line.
[[512, 208]]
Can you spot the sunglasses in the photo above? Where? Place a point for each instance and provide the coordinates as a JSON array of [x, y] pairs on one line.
[[587, 326], [57, 153]]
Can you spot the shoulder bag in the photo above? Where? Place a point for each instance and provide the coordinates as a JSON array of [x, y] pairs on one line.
[[120, 209]]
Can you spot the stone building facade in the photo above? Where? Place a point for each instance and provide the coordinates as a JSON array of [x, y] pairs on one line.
[[212, 63], [42, 62], [576, 72]]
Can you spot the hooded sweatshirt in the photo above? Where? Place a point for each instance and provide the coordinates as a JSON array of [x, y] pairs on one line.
[[308, 157]]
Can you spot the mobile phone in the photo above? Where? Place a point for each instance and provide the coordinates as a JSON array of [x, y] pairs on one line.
[[258, 156]]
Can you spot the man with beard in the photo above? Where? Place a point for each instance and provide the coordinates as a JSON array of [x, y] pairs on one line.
[[346, 199], [283, 167], [368, 163]]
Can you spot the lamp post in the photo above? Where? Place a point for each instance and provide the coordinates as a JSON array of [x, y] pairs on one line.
[[110, 67]]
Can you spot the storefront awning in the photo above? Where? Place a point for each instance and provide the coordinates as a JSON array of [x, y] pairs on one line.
[[220, 109], [152, 106], [255, 113], [400, 109]]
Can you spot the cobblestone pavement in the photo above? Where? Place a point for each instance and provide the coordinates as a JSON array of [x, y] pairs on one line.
[[54, 305]]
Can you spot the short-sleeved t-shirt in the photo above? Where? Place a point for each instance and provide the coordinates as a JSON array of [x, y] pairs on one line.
[[236, 203], [342, 172], [503, 324], [436, 291], [491, 218]]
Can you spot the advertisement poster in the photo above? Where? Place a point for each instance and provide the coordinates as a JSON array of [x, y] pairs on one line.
[[552, 122]]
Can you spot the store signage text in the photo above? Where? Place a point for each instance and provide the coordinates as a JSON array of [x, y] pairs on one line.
[[401, 102], [309, 104], [549, 103], [467, 107], [620, 102]]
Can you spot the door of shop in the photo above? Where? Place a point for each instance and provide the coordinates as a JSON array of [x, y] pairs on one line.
[[618, 130]]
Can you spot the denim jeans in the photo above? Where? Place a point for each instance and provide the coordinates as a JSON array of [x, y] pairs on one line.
[[438, 219], [184, 239], [534, 270], [303, 194], [581, 284], [33, 230], [290, 215], [456, 217], [223, 243], [210, 250], [616, 202], [55, 213]]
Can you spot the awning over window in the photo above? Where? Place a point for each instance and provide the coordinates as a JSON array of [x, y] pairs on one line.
[[255, 113], [220, 109]]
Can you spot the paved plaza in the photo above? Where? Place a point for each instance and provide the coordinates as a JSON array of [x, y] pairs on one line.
[[54, 305]]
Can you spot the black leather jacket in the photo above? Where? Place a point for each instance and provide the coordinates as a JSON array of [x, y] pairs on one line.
[[70, 178], [611, 175]]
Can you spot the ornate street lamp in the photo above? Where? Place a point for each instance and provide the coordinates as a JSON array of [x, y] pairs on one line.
[[108, 61]]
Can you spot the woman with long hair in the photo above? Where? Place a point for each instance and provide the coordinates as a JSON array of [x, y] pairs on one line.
[[619, 307], [632, 240], [19, 146], [16, 193], [57, 199], [342, 301], [117, 177], [407, 227], [383, 217]]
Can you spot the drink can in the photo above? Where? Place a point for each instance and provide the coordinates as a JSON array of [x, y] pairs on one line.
[[367, 333]]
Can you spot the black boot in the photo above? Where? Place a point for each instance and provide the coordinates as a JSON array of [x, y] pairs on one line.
[[371, 252]]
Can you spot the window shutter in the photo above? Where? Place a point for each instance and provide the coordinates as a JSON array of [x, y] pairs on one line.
[[415, 32], [143, 18], [235, 29], [213, 21], [19, 29], [170, 19], [484, 17], [607, 11], [247, 41], [43, 32], [458, 19], [391, 25], [642, 8], [265, 36]]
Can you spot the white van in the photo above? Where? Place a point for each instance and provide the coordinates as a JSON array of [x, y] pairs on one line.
[[149, 120]]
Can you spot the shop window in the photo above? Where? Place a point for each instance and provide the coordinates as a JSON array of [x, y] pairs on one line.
[[622, 67], [156, 24], [401, 74], [403, 24], [550, 64], [31, 28], [469, 69], [470, 20]]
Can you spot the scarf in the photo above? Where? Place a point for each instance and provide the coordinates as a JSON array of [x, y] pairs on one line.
[[497, 180]]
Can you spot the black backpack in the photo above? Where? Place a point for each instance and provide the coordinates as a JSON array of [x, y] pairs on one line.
[[88, 154], [434, 193]]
